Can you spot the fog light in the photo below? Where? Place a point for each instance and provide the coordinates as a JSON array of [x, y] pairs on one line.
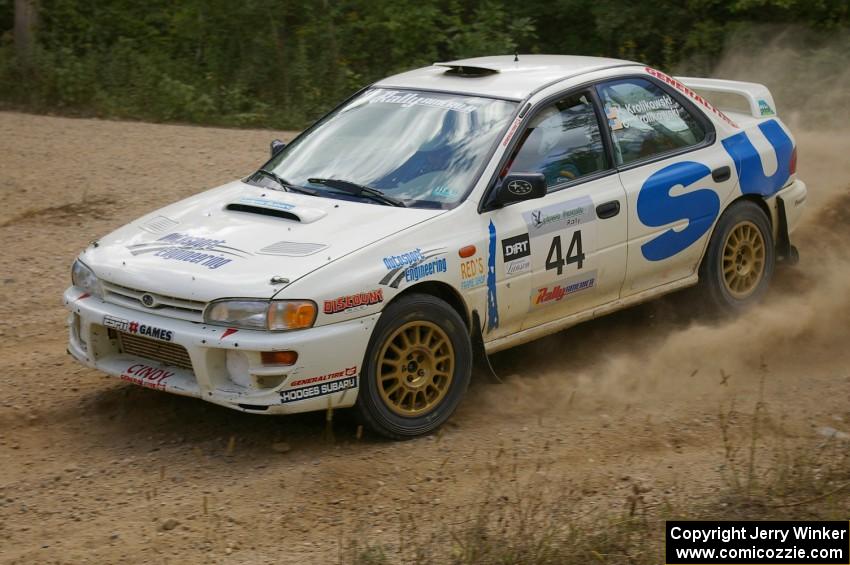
[[279, 357], [237, 367], [268, 381]]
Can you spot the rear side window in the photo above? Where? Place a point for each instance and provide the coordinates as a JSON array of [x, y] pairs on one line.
[[646, 121], [563, 142]]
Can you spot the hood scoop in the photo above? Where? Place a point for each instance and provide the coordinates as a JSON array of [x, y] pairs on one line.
[[276, 209], [263, 211]]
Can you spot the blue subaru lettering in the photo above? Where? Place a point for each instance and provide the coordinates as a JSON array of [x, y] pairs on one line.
[[656, 207], [748, 162]]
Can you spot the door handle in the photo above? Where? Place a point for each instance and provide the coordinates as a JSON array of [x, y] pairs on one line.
[[721, 174], [608, 209]]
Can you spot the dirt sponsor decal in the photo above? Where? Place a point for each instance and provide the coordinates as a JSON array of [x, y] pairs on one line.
[[561, 290], [133, 327], [146, 376], [307, 392], [187, 248], [349, 372], [352, 301], [516, 253]]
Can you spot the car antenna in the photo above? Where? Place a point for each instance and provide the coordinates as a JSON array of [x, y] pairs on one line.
[[516, 56]]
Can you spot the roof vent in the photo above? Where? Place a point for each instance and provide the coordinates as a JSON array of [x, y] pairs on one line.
[[262, 211], [466, 70]]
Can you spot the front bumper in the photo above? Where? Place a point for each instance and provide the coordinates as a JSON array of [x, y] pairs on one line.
[[218, 364]]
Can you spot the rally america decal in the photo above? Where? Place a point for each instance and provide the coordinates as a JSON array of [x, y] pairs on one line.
[[413, 265], [307, 392], [132, 327], [562, 290], [187, 248]]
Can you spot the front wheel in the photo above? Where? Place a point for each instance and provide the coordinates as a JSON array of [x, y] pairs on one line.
[[417, 367], [738, 265]]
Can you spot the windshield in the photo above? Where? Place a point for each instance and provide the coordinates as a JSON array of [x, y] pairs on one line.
[[422, 148]]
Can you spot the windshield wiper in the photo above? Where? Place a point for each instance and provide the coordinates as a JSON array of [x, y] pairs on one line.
[[284, 184], [359, 190]]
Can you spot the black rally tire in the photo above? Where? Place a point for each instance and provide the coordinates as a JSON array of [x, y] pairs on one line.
[[371, 406], [714, 286]]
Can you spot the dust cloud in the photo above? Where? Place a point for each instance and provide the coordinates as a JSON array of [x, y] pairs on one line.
[[661, 356]]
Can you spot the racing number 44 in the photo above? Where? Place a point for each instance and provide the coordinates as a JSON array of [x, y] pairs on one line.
[[555, 259]]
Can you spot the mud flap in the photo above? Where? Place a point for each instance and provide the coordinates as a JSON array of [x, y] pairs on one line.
[[480, 361], [785, 252]]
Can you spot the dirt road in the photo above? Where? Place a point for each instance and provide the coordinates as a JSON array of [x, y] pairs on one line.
[[96, 470]]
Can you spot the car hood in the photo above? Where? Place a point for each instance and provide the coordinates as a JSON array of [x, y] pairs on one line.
[[231, 241]]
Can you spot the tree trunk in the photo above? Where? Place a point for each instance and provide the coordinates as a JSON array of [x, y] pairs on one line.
[[26, 20]]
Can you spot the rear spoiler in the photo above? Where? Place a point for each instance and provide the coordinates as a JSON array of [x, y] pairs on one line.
[[758, 97]]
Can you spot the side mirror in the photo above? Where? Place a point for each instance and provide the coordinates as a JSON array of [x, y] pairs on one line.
[[277, 146], [518, 187]]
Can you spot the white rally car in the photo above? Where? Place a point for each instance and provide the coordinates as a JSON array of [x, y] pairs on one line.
[[436, 216]]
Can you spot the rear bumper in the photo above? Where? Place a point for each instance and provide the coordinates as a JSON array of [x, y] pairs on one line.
[[216, 364], [794, 198]]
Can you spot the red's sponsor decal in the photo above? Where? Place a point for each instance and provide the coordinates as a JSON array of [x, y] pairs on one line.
[[353, 301], [679, 86], [228, 331], [145, 375], [350, 372], [83, 296]]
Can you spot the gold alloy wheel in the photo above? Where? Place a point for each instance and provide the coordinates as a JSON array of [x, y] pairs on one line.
[[415, 368], [743, 259]]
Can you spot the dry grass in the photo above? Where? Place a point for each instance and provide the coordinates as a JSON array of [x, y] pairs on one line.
[[766, 475]]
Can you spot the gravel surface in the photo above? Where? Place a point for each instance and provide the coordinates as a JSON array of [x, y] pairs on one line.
[[96, 470]]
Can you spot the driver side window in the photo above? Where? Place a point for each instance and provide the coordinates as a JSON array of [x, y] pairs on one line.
[[563, 142]]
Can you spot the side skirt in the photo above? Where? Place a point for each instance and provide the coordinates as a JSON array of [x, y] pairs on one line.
[[530, 334]]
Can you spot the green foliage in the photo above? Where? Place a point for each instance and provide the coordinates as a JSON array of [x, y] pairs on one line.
[[282, 64]]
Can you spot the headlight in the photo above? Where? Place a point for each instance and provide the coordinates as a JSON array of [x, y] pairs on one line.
[[83, 278], [262, 314]]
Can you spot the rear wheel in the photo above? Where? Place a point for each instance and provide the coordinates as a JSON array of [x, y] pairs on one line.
[[417, 367], [738, 265]]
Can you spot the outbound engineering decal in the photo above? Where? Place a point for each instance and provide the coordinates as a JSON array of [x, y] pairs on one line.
[[207, 252], [414, 265], [657, 207]]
